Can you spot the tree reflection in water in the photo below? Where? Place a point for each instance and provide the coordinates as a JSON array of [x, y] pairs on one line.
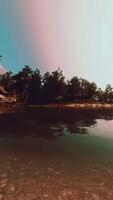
[[49, 123]]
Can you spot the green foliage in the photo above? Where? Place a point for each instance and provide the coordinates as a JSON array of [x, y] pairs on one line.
[[73, 89], [108, 94], [31, 87], [54, 87], [34, 88], [80, 89], [27, 84]]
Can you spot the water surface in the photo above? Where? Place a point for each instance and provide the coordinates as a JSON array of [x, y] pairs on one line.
[[56, 154]]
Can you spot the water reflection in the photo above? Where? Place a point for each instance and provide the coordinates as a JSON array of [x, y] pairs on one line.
[[50, 123], [103, 128]]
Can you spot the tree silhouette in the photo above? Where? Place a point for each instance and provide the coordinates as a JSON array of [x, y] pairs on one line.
[[33, 88], [22, 81], [108, 94], [73, 89], [54, 86]]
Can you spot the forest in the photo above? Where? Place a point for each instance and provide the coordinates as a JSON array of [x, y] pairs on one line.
[[31, 87]]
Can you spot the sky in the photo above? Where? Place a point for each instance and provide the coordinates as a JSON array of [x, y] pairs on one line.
[[75, 35]]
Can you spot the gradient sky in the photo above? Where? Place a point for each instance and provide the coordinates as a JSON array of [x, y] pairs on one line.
[[76, 35]]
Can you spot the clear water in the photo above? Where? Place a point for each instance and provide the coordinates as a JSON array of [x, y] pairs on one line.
[[56, 154]]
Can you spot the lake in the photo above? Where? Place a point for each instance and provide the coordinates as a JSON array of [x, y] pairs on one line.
[[56, 154]]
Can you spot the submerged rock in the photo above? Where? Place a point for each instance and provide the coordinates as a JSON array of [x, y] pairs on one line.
[[3, 183], [1, 197], [45, 195], [95, 197]]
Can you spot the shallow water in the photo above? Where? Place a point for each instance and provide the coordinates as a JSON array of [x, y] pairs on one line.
[[56, 154]]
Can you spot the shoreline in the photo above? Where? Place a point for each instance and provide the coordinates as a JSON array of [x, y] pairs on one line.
[[74, 105], [15, 107]]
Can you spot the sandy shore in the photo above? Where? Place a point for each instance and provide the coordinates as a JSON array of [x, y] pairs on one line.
[[7, 108], [76, 105]]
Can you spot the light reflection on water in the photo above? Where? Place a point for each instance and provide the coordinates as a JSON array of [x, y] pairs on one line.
[[103, 128]]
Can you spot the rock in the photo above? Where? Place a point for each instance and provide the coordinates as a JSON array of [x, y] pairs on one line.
[[44, 185], [12, 188], [1, 196], [60, 197], [95, 197], [50, 170], [21, 174], [15, 159], [45, 195], [57, 173], [3, 183], [102, 184], [2, 91], [69, 195], [3, 175], [37, 173]]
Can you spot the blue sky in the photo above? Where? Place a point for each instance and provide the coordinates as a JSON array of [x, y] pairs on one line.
[[76, 35]]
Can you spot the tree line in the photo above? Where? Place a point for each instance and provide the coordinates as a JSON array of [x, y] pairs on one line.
[[31, 87]]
